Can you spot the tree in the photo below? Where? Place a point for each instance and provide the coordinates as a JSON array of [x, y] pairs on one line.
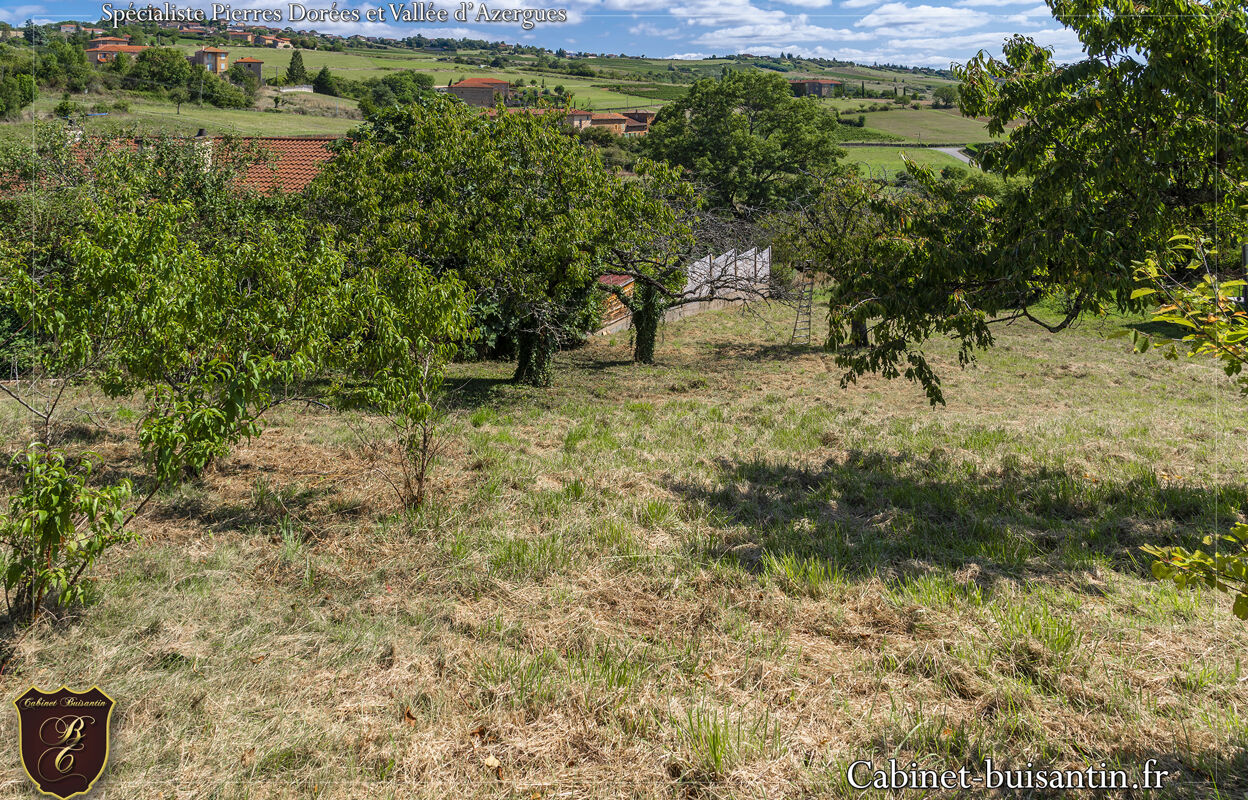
[[324, 83], [35, 35], [1120, 151], [945, 96], [296, 73], [159, 68], [520, 212], [747, 138], [17, 90], [240, 76]]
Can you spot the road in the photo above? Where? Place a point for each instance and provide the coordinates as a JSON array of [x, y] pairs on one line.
[[957, 153]]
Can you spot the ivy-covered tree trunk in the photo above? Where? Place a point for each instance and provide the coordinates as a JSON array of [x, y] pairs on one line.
[[535, 352], [647, 314]]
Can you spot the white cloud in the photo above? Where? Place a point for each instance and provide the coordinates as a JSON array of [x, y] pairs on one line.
[[808, 3], [650, 29], [17, 15], [860, 3], [776, 36], [689, 56], [905, 20]]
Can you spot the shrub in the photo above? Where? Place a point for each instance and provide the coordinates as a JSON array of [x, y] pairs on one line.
[[55, 529]]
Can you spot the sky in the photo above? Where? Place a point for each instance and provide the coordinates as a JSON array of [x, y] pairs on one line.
[[932, 33]]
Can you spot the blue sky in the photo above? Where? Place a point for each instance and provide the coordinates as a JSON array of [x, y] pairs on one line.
[[914, 32]]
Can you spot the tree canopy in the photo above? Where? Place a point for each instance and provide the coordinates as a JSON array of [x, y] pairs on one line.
[[1115, 153], [747, 138]]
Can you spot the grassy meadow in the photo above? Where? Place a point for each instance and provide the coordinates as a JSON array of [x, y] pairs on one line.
[[719, 576], [886, 161]]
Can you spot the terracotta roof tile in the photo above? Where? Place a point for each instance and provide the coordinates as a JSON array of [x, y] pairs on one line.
[[291, 162]]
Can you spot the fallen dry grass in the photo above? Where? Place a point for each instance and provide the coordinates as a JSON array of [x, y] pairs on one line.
[[721, 576]]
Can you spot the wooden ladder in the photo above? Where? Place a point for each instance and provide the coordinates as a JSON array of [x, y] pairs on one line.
[[805, 303]]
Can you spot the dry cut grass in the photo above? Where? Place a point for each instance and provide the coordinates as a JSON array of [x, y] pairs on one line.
[[721, 576]]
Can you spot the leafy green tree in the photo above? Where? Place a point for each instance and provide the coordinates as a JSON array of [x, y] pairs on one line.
[[522, 213], [1118, 152], [245, 79], [158, 68], [747, 138], [945, 96], [16, 92], [296, 73]]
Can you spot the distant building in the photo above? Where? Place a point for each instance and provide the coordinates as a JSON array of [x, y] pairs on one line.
[[103, 54], [644, 117], [242, 37], [276, 42], [814, 87], [254, 66], [212, 59], [481, 91], [102, 40], [611, 121], [68, 27]]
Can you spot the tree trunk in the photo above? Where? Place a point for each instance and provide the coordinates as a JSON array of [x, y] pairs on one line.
[[858, 331], [646, 318], [535, 352]]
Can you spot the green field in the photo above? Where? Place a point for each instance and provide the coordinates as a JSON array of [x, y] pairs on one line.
[[361, 64], [929, 125], [885, 161]]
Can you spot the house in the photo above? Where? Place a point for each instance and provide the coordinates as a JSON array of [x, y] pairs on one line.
[[644, 117], [10, 33], [105, 53], [610, 120], [242, 37], [276, 42], [103, 40], [95, 31], [254, 66], [576, 118], [632, 128], [814, 87], [68, 27], [212, 59], [482, 92]]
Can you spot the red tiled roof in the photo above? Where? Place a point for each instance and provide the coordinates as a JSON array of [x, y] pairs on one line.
[[615, 280], [284, 164], [116, 48], [611, 117], [482, 82], [290, 162], [248, 60], [211, 50]]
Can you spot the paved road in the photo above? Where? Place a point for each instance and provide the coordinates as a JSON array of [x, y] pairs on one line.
[[956, 152]]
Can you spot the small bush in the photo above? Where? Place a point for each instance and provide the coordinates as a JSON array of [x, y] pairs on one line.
[[55, 529]]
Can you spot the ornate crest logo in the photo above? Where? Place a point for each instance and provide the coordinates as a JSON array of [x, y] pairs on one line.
[[64, 738]]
